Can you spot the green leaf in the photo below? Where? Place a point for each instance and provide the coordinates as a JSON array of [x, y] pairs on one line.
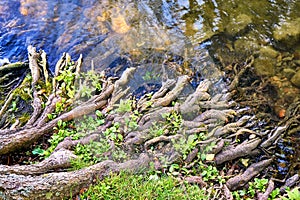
[[99, 113], [59, 123], [38, 151]]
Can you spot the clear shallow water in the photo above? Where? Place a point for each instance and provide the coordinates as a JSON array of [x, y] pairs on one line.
[[105, 28]]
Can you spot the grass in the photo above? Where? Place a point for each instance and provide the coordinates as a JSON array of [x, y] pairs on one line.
[[129, 186]]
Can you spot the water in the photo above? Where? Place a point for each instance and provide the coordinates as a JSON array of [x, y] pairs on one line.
[[103, 28]]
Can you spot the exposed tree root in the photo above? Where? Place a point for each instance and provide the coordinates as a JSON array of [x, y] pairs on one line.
[[213, 120], [252, 170], [59, 185]]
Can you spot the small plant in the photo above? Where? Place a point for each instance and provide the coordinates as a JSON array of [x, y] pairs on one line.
[[258, 185], [38, 151], [185, 145], [173, 121], [90, 154], [66, 80], [211, 173], [275, 193], [292, 195], [61, 132], [150, 76], [131, 124], [90, 84], [156, 130], [113, 133], [124, 106]]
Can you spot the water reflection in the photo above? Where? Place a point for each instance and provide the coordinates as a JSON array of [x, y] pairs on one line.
[[80, 26]]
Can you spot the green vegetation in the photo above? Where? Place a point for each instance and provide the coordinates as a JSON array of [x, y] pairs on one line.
[[173, 122], [149, 75], [147, 186], [258, 185], [292, 195], [90, 154], [165, 183], [124, 106]]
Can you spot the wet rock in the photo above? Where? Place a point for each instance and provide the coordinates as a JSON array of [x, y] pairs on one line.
[[246, 45], [288, 73], [266, 62], [265, 66], [238, 24], [296, 79], [288, 32], [268, 51]]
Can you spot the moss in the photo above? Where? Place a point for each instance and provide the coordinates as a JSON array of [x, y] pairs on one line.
[[296, 79], [288, 32], [264, 66], [24, 118], [238, 24]]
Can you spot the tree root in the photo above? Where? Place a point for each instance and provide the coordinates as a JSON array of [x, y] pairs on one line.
[[240, 180], [240, 150], [58, 160], [210, 119], [59, 185]]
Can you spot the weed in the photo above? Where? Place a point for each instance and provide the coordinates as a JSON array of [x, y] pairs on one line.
[[66, 79], [292, 195], [258, 185], [113, 133], [90, 154], [211, 173], [173, 121], [150, 76], [156, 130], [185, 145], [124, 106], [61, 132], [131, 124]]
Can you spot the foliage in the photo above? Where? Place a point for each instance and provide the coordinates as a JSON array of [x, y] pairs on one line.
[[173, 122], [211, 173], [156, 130], [131, 123], [149, 75], [90, 84], [258, 185], [292, 195], [62, 131], [113, 133], [124, 106], [90, 154], [185, 145], [66, 79], [130, 186]]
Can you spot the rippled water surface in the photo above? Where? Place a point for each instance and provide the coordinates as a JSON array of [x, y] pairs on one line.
[[106, 28]]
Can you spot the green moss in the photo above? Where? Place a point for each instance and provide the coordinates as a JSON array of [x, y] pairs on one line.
[[130, 186]]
